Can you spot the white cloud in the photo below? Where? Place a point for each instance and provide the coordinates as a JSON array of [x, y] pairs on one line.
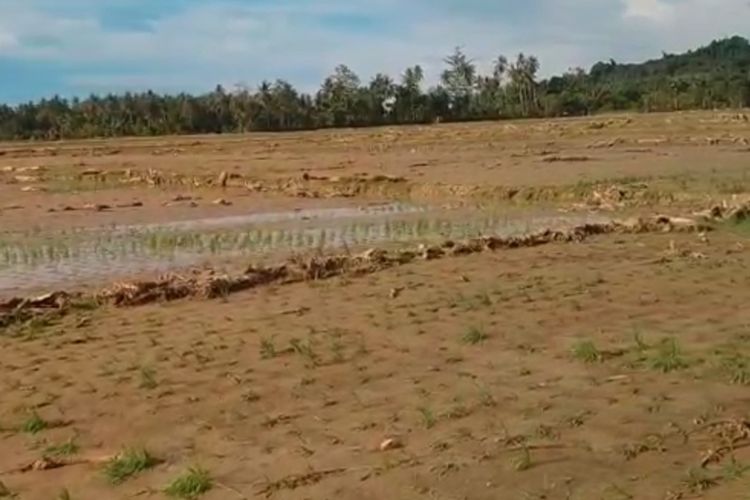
[[7, 41], [652, 10], [203, 43]]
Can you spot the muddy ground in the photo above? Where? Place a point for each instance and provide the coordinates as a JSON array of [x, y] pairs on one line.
[[615, 367], [663, 157]]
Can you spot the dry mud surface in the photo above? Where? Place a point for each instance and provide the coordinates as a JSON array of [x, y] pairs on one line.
[[441, 312]]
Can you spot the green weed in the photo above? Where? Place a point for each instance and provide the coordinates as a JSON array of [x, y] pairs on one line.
[[66, 449], [474, 336], [668, 357], [587, 352], [428, 417], [734, 470], [129, 463], [34, 424], [305, 349], [192, 484], [737, 369]]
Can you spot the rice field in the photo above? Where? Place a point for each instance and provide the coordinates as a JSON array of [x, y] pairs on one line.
[[34, 260], [610, 367]]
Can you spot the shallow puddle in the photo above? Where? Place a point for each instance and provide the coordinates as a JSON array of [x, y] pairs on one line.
[[36, 261]]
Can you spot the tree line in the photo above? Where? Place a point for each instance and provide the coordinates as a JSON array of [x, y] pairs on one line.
[[714, 76]]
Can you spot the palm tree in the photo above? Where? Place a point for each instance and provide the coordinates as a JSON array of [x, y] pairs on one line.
[[381, 92], [500, 68], [459, 79], [523, 78], [409, 94]]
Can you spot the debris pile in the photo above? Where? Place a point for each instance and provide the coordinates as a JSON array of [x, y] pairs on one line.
[[16, 310], [615, 196], [730, 212]]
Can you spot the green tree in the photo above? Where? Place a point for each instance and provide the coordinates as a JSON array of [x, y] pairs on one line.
[[459, 79]]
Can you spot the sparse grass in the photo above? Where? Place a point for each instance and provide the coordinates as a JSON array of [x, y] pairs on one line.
[[668, 357], [474, 336], [34, 328], [192, 484], [148, 378], [66, 449], [733, 470], [739, 226], [587, 352], [428, 417], [699, 480], [130, 462], [305, 349], [64, 495], [34, 424], [736, 369], [267, 348]]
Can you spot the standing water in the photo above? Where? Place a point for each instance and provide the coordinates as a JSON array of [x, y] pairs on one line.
[[99, 255]]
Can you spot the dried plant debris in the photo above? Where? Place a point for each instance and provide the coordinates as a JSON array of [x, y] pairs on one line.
[[208, 284]]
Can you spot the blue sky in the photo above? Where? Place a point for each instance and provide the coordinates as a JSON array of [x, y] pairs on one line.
[[75, 47]]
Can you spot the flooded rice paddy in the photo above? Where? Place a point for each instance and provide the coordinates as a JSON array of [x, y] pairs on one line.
[[37, 260]]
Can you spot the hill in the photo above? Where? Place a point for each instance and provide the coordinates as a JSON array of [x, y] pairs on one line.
[[717, 75]]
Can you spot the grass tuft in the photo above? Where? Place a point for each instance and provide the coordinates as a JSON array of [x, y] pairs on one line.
[[428, 417], [474, 336], [129, 463], [737, 369], [587, 352], [668, 357], [34, 424], [66, 449], [305, 349], [733, 470], [192, 484]]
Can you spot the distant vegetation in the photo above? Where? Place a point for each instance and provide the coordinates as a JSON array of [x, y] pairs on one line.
[[715, 76]]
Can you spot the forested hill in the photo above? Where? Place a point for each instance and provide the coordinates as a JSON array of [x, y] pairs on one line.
[[728, 56], [714, 76]]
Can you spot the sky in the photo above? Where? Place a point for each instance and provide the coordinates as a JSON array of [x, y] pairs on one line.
[[78, 47]]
